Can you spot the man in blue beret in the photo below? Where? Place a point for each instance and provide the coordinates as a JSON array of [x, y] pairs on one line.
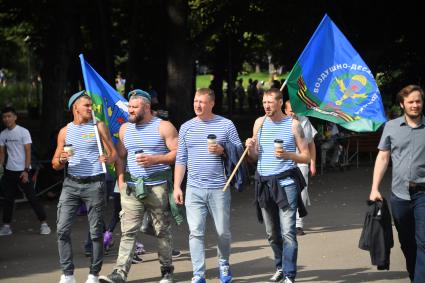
[[77, 150], [148, 146]]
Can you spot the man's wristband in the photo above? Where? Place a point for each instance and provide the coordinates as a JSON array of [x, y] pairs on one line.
[[27, 170]]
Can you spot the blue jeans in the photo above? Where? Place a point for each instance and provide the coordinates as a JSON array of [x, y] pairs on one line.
[[281, 232], [73, 194], [409, 219], [198, 203]]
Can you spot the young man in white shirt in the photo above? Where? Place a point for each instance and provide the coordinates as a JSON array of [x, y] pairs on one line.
[[16, 142]]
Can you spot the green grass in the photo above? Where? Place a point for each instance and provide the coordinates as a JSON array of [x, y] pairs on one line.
[[204, 80]]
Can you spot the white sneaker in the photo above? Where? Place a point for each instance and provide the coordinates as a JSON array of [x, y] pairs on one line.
[[92, 279], [288, 280], [198, 279], [277, 277], [68, 279], [5, 230], [45, 229]]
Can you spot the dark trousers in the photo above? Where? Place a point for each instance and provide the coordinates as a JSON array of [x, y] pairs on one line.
[[73, 194], [88, 245], [409, 219], [10, 184]]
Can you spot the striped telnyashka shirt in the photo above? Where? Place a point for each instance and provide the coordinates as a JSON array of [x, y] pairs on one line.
[[204, 169], [145, 137], [268, 163], [85, 161]]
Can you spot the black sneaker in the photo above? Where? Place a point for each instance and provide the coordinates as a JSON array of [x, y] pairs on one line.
[[136, 259], [114, 277], [167, 274], [176, 253], [300, 231]]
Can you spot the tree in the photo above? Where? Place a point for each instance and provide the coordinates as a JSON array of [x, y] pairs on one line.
[[158, 42], [180, 63]]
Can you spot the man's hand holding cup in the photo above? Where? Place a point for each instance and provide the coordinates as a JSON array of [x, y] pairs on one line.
[[139, 157], [213, 146], [278, 148], [66, 154]]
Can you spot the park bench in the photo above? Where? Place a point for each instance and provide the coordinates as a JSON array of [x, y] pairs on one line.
[[363, 143]]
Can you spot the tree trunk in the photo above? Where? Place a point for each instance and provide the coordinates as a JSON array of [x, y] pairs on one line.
[[135, 55], [180, 65], [102, 40], [58, 72]]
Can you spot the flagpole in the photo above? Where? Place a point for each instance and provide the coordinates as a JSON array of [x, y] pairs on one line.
[[96, 131], [246, 149], [99, 145], [283, 86]]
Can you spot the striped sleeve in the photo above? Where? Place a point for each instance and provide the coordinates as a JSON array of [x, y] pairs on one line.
[[233, 134], [181, 158]]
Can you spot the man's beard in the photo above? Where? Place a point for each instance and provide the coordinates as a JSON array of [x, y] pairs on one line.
[[413, 117], [136, 118], [271, 113]]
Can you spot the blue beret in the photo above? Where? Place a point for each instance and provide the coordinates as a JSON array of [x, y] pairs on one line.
[[74, 97], [140, 93]]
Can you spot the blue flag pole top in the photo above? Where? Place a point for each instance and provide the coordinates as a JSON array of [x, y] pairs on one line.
[[331, 81], [108, 105]]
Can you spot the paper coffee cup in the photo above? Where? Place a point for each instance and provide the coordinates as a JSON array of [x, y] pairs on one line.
[[278, 144], [212, 139], [69, 149], [138, 152]]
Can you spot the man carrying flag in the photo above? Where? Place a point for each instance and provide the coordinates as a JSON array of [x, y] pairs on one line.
[[77, 149], [111, 108], [278, 181]]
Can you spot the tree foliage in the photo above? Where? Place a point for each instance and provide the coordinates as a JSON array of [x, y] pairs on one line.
[[158, 42]]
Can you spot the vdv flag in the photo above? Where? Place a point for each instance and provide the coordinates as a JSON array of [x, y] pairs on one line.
[[331, 81], [108, 105]]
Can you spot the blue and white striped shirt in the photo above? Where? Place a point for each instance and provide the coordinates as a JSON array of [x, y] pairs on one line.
[[145, 137], [268, 163], [85, 161], [204, 169]]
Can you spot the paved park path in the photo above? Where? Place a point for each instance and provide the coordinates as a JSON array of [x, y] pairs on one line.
[[327, 253]]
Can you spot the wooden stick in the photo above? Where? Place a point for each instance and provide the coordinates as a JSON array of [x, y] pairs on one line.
[[241, 159], [246, 149]]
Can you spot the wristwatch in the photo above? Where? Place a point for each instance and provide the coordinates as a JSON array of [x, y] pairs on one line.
[[27, 170]]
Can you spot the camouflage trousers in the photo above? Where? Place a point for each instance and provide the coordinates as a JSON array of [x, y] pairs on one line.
[[133, 210]]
